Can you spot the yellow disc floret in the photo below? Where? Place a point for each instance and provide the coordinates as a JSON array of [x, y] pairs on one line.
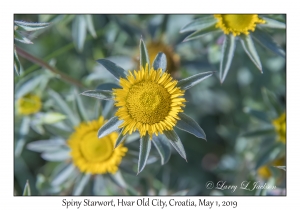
[[149, 102], [29, 104], [237, 24], [93, 155]]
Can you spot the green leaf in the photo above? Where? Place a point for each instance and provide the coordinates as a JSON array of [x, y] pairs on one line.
[[271, 23], [228, 49], [52, 117], [160, 62], [79, 32], [144, 58], [107, 108], [24, 129], [266, 41], [17, 65], [114, 69], [281, 167], [189, 125], [163, 147], [90, 25], [176, 142], [99, 184], [100, 94], [270, 154], [261, 132], [56, 155], [200, 33], [120, 138], [272, 102], [46, 145], [64, 107], [200, 24], [81, 109], [189, 82], [110, 126], [26, 191], [21, 37], [249, 48], [28, 84], [145, 147], [63, 175], [118, 179], [80, 186], [261, 115], [27, 26], [108, 86]]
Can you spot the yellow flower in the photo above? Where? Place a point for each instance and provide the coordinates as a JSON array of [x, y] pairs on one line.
[[93, 155], [237, 24], [29, 104], [149, 102], [265, 172], [173, 59], [280, 127]]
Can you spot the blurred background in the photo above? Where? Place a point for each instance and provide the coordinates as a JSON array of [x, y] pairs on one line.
[[238, 116]]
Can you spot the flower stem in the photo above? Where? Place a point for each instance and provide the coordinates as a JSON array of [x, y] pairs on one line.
[[42, 63]]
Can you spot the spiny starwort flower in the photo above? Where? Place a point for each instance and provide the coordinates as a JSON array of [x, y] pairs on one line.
[[92, 155], [280, 127], [150, 101], [241, 27], [272, 124], [29, 104], [237, 24], [82, 155]]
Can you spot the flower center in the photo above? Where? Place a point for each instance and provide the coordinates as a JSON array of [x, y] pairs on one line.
[[238, 24], [94, 149], [148, 102]]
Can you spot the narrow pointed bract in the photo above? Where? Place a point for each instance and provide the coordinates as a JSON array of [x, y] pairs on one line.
[[188, 124], [110, 126], [100, 94], [145, 147], [227, 56], [114, 69], [163, 147], [191, 81], [176, 142], [144, 57], [120, 139], [249, 48], [160, 62]]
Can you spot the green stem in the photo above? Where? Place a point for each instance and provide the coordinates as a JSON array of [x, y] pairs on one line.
[[52, 55], [42, 63]]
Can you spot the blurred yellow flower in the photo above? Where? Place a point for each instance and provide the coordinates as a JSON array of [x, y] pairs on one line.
[[29, 104], [91, 154], [237, 24], [173, 59], [265, 172], [149, 101], [280, 127]]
